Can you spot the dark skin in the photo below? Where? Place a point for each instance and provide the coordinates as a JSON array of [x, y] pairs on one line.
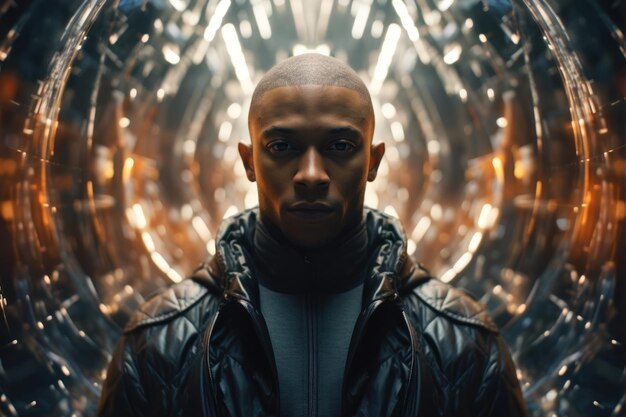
[[311, 156]]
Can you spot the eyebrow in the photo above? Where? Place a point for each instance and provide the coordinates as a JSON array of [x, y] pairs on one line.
[[277, 130], [280, 130], [344, 129]]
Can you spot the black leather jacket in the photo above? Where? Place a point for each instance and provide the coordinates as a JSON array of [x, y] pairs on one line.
[[420, 348]]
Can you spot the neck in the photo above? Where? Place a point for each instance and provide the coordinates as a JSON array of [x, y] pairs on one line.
[[335, 267], [275, 233]]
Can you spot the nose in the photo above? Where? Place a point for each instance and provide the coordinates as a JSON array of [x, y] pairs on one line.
[[311, 172]]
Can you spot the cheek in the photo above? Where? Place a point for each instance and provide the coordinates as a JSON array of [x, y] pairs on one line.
[[350, 179], [272, 178]]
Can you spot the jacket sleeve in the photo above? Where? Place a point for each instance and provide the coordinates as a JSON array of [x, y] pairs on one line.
[[499, 394], [123, 393]]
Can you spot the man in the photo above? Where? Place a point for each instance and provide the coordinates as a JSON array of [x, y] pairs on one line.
[[311, 305]]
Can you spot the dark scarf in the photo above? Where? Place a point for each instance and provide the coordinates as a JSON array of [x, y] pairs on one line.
[[335, 268]]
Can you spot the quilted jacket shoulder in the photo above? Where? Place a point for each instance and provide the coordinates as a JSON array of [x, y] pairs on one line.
[[454, 303], [414, 282], [167, 304]]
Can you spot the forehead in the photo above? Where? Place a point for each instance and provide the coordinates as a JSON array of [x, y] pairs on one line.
[[311, 104]]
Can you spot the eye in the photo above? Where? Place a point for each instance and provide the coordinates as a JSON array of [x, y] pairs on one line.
[[280, 146], [341, 146]]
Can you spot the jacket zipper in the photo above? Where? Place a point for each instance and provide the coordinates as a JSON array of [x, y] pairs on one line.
[[312, 355], [210, 409], [312, 349], [411, 400]]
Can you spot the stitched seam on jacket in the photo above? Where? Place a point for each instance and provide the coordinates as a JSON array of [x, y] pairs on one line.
[[431, 302], [185, 305]]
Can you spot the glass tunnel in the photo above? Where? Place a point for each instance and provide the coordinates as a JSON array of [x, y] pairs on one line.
[[505, 130]]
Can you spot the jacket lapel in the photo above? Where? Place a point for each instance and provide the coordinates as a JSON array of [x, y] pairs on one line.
[[380, 371], [239, 358], [239, 369]]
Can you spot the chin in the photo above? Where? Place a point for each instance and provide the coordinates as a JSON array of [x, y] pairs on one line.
[[309, 240]]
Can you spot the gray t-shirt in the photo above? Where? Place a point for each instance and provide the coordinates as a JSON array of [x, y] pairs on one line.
[[310, 335]]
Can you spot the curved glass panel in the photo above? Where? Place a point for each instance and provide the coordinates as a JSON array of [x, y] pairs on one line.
[[506, 162]]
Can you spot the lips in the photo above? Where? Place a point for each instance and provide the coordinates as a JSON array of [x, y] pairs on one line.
[[310, 211]]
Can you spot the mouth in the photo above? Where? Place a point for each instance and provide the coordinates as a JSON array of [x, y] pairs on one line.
[[310, 211]]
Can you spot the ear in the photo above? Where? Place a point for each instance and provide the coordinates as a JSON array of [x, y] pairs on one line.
[[245, 151], [376, 155]]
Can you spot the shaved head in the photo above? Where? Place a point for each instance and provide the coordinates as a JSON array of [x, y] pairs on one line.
[[311, 69], [311, 126]]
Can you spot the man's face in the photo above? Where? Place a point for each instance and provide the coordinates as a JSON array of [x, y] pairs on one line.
[[311, 157]]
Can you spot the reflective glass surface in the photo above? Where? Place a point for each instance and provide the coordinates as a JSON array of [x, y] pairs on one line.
[[505, 128]]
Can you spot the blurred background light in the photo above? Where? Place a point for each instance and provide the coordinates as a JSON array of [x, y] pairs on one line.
[[506, 162]]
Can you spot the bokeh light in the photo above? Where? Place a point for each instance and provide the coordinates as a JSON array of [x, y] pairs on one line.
[[506, 162]]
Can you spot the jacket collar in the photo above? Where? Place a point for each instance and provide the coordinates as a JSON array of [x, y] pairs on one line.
[[386, 249]]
